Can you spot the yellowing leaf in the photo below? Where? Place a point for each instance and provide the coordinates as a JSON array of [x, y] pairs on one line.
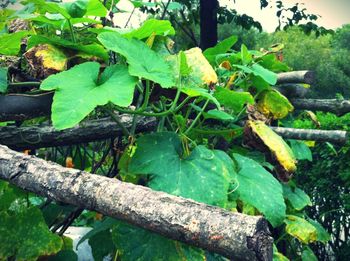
[[200, 66], [46, 59], [226, 65], [300, 229], [273, 104], [280, 151]]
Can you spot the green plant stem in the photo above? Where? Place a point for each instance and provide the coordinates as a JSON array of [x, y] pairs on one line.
[[146, 96], [197, 117], [71, 29], [24, 84], [172, 109], [117, 120]]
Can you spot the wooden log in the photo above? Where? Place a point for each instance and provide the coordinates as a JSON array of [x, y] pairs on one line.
[[39, 136], [233, 235], [292, 90], [296, 77], [338, 107], [18, 107], [333, 136]]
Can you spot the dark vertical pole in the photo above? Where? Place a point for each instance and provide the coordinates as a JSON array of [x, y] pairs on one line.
[[208, 23]]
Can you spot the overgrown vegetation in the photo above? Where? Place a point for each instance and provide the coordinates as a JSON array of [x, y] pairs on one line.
[[199, 149]]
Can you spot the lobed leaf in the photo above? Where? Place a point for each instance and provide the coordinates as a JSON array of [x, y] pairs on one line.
[[255, 185], [78, 91], [143, 62]]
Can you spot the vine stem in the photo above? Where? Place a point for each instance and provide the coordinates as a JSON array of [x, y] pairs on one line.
[[24, 84], [117, 120], [71, 29], [197, 117]]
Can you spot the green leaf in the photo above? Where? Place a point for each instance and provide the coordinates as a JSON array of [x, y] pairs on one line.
[[297, 197], [64, 255], [204, 175], [152, 26], [78, 91], [143, 62], [25, 235], [105, 224], [256, 69], [266, 74], [322, 235], [139, 244], [233, 100], [96, 8], [10, 43], [76, 9], [300, 150], [102, 245], [246, 57], [277, 256], [3, 80], [218, 114], [220, 48], [308, 255], [273, 104], [300, 229], [200, 92], [50, 7], [185, 70], [271, 63], [259, 188], [92, 49]]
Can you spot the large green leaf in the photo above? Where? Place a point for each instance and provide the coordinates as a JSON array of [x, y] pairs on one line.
[[96, 8], [231, 99], [25, 235], [322, 234], [92, 49], [11, 43], [200, 92], [102, 245], [297, 197], [143, 62], [220, 48], [259, 188], [78, 91], [3, 80], [301, 229], [274, 104], [139, 244], [152, 26], [204, 175]]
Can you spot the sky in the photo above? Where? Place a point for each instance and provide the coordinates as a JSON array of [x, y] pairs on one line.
[[334, 13]]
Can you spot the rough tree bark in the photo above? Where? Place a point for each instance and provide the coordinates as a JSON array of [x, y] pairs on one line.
[[233, 235], [296, 77], [41, 136], [34, 137], [208, 23], [334, 136], [338, 107]]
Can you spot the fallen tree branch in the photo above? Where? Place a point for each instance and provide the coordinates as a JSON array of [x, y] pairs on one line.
[[38, 136], [334, 136], [292, 90], [296, 77], [18, 107], [338, 107], [233, 235]]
